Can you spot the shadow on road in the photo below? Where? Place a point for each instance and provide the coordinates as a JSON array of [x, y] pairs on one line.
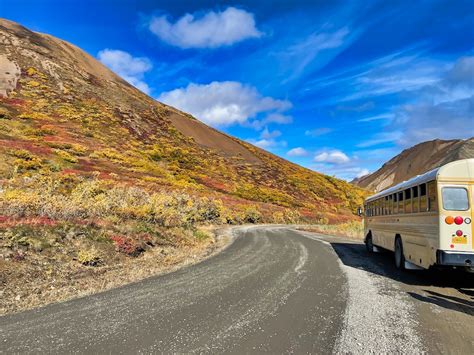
[[431, 286]]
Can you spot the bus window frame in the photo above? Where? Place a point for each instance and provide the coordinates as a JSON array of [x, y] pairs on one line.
[[417, 201], [426, 209], [401, 201]]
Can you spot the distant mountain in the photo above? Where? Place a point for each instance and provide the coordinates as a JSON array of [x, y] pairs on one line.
[[417, 160], [64, 113]]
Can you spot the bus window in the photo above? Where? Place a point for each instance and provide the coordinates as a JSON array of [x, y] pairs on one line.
[[455, 199], [416, 201], [408, 201], [432, 200], [390, 204], [385, 212], [423, 206], [400, 202]]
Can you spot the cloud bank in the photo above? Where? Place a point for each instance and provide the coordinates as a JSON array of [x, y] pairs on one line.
[[332, 157], [223, 103], [211, 30]]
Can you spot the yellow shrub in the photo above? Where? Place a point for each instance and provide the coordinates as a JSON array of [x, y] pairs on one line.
[[31, 71], [89, 257], [66, 156], [33, 83]]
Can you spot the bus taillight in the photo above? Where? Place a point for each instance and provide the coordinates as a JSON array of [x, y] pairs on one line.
[[458, 220], [449, 220], [459, 233]]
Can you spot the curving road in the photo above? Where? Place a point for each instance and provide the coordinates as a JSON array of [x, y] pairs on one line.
[[274, 289]]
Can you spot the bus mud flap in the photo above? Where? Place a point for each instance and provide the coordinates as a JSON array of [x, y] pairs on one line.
[[411, 266]]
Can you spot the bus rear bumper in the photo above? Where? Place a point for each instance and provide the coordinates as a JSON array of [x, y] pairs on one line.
[[450, 258]]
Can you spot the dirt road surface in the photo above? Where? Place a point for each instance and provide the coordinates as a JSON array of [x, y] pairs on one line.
[[274, 289]]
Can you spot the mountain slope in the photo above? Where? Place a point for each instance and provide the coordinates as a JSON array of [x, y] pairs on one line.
[[62, 113], [417, 160]]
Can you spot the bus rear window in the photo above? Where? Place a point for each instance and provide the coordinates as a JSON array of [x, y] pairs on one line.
[[455, 199]]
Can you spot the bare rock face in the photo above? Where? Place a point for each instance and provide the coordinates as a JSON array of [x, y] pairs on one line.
[[417, 160], [9, 75]]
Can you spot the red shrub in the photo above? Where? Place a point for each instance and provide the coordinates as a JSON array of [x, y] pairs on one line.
[[127, 246]]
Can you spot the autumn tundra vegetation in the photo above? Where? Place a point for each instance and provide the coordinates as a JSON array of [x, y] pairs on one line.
[[96, 174]]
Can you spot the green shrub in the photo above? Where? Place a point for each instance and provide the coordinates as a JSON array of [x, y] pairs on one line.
[[200, 235]]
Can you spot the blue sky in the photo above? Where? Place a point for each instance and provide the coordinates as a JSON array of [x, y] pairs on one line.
[[336, 86]]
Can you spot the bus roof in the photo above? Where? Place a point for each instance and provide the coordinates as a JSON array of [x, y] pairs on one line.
[[456, 169]]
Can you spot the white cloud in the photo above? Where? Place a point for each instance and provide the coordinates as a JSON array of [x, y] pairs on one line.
[[346, 171], [297, 152], [266, 134], [273, 117], [381, 138], [278, 118], [314, 51], [462, 73], [131, 69], [387, 116], [267, 143], [268, 140], [444, 109], [449, 120], [332, 157], [318, 132], [211, 30], [362, 172], [223, 103]]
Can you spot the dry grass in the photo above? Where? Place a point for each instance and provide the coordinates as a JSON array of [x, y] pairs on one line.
[[353, 229]]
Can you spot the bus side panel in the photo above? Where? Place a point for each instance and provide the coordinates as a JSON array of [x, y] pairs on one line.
[[420, 236], [419, 233]]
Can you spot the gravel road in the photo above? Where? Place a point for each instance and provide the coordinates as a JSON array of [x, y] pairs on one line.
[[274, 289]]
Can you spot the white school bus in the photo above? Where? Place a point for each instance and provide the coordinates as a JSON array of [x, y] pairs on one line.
[[426, 221]]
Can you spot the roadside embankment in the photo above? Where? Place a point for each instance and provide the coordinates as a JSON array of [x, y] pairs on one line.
[[47, 264]]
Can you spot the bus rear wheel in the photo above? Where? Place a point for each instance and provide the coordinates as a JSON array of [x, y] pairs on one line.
[[399, 257]]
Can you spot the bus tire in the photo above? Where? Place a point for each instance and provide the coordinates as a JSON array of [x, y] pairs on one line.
[[399, 256], [369, 245]]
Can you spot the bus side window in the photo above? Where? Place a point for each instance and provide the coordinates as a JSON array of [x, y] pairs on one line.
[[423, 205], [400, 202], [385, 206], [395, 204], [416, 202], [390, 204], [408, 201], [432, 200]]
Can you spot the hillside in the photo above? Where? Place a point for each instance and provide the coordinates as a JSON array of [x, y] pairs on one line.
[[64, 113], [417, 160]]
